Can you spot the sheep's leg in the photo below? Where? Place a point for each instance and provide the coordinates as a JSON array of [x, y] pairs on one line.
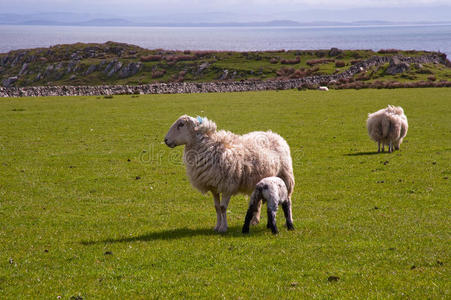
[[224, 204], [272, 211], [390, 147], [378, 147], [217, 200], [287, 212], [256, 218], [383, 147], [249, 215]]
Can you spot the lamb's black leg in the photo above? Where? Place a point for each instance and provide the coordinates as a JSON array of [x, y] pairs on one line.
[[272, 221], [287, 212], [248, 218]]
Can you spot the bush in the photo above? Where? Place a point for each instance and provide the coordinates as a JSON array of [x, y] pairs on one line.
[[356, 61], [158, 73], [432, 78], [290, 61], [285, 71], [147, 58], [199, 54], [340, 64], [176, 58], [388, 51], [313, 62]]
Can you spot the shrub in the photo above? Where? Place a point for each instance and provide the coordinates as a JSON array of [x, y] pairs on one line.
[[340, 64], [290, 61], [187, 52], [388, 51], [299, 74], [158, 73], [356, 61], [199, 54], [313, 62], [176, 58], [356, 55], [285, 71], [320, 53], [147, 58]]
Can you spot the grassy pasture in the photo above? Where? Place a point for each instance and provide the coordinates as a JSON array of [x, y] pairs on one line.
[[93, 204]]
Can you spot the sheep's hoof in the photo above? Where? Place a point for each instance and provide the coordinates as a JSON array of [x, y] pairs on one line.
[[255, 221], [222, 230]]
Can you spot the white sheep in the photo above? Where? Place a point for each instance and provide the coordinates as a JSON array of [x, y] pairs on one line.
[[323, 88], [273, 191], [387, 126], [225, 163]]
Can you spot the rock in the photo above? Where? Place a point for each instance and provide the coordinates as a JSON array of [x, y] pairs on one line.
[[8, 81], [116, 67], [109, 66], [59, 66], [224, 75], [130, 70], [203, 66], [91, 69], [397, 66], [24, 69], [71, 66], [335, 52], [17, 58]]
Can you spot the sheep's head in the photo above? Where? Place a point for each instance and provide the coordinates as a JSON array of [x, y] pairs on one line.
[[395, 109], [186, 128]]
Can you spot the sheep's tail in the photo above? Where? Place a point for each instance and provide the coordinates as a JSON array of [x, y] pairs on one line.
[[256, 197], [403, 131], [288, 178]]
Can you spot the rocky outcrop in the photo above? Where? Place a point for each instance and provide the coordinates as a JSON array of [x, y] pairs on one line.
[[8, 81], [130, 70], [205, 87], [397, 66], [335, 52]]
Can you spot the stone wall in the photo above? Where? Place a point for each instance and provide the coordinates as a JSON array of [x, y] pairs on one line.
[[217, 86]]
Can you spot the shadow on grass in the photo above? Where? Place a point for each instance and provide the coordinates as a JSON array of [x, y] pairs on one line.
[[365, 153], [234, 231]]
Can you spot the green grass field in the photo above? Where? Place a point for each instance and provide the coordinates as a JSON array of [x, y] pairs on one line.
[[94, 205]]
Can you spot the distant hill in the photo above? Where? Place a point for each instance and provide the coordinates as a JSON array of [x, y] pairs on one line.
[[69, 19]]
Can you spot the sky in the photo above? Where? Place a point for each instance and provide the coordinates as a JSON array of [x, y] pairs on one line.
[[235, 10]]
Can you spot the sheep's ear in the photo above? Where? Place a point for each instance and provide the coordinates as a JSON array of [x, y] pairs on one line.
[[198, 121]]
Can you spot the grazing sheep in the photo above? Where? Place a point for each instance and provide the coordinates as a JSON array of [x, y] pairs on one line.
[[323, 88], [225, 163], [273, 191], [387, 126], [398, 110]]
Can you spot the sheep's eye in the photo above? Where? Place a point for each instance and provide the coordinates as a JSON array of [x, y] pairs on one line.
[[180, 125]]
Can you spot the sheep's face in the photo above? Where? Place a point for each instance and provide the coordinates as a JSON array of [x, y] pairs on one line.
[[181, 132]]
